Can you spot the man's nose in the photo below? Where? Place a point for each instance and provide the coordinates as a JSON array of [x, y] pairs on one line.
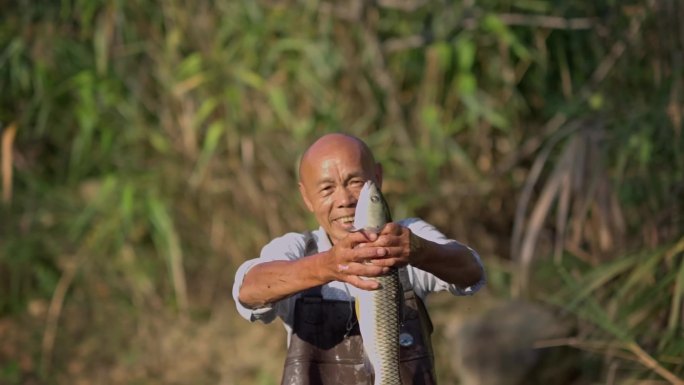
[[345, 197]]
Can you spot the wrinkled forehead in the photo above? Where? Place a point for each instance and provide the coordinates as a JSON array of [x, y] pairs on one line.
[[336, 162], [342, 155]]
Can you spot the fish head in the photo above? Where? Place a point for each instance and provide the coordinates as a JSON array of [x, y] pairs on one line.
[[372, 211]]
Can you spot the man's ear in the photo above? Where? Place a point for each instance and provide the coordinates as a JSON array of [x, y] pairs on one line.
[[302, 192]]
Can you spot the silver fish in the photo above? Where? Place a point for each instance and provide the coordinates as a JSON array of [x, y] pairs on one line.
[[379, 311]]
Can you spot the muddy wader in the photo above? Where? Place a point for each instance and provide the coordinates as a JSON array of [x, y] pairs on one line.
[[326, 346]]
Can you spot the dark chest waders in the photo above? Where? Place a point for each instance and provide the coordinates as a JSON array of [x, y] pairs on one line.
[[326, 346]]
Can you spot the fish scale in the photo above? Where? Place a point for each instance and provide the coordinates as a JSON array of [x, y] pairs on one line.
[[379, 311]]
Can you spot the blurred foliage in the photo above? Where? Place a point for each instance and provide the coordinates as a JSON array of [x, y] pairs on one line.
[[156, 147]]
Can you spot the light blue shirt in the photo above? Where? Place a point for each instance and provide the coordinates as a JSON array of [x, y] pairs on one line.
[[292, 246]]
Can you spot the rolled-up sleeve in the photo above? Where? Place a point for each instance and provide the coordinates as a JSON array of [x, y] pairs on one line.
[[424, 282], [470, 290], [264, 314], [290, 246]]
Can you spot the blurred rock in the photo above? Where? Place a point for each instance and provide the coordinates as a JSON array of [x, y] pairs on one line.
[[498, 347]]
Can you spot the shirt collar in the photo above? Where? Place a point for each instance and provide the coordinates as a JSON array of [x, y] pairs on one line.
[[322, 240]]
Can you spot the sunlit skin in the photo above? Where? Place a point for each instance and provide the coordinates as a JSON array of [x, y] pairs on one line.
[[332, 173]]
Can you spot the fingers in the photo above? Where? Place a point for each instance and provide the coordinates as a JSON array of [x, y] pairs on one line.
[[370, 235], [365, 284], [362, 269], [389, 250], [364, 254], [388, 247], [359, 238], [373, 257], [392, 257], [354, 272], [362, 236], [390, 235]]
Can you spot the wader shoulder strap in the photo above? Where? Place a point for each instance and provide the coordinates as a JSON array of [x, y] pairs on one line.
[[414, 302], [311, 245], [310, 249], [404, 279]]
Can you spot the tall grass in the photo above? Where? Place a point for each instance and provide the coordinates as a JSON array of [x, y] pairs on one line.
[[153, 147]]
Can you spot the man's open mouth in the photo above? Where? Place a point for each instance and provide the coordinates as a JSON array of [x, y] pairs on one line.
[[345, 221]]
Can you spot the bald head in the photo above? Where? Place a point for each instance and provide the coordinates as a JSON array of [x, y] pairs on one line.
[[332, 172], [336, 142]]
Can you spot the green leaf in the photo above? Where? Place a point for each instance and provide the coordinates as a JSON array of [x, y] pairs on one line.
[[467, 84], [676, 253], [211, 141], [465, 53], [599, 276], [278, 101], [190, 66]]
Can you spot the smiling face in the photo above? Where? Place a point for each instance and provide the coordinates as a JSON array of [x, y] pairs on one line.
[[332, 173]]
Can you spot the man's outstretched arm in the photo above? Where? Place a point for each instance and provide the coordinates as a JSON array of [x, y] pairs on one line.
[[271, 281], [452, 262]]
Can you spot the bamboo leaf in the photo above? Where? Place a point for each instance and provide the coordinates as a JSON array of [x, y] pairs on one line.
[[467, 85], [493, 23], [591, 310], [168, 244], [647, 269], [250, 78], [128, 204], [211, 141], [465, 53], [278, 101], [600, 276], [190, 66], [207, 107], [675, 322]]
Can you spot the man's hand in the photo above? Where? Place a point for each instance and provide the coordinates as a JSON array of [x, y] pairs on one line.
[[361, 254], [348, 263], [398, 244], [453, 262]]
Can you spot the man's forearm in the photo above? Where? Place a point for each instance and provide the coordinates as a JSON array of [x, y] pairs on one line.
[[272, 281], [453, 262]]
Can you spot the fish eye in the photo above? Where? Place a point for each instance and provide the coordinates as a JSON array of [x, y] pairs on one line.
[[374, 198]]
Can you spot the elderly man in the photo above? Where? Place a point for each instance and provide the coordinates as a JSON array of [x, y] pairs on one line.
[[306, 278]]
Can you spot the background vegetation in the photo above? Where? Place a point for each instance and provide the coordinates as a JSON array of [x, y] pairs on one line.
[[148, 148]]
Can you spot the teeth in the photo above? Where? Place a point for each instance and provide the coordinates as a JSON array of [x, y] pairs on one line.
[[348, 219]]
